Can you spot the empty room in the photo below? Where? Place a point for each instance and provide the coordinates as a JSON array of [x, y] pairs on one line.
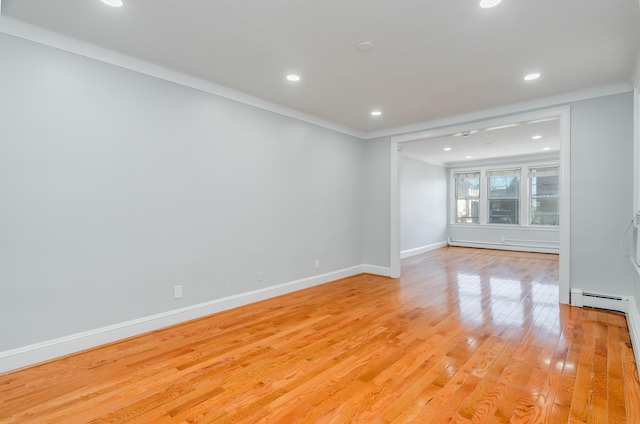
[[319, 212]]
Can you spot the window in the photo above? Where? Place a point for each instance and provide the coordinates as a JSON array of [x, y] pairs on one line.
[[467, 186], [503, 196], [544, 195]]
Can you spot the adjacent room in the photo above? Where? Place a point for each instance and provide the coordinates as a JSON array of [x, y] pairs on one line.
[[306, 212]]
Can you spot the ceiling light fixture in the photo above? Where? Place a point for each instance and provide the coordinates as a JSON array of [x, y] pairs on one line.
[[468, 157], [293, 77], [447, 149], [546, 148], [532, 77], [376, 113], [112, 3], [536, 137], [365, 46], [486, 4]]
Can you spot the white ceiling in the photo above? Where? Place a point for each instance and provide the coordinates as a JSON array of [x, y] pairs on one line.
[[431, 59], [511, 143]]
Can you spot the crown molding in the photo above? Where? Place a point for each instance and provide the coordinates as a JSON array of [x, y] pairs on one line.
[[541, 103], [19, 29]]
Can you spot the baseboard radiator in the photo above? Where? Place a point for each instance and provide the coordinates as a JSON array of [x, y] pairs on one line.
[[598, 300]]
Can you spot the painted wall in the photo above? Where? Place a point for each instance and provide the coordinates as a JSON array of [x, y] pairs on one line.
[[116, 186], [601, 193], [377, 171], [423, 204], [601, 178]]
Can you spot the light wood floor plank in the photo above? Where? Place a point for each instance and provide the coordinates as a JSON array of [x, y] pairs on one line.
[[465, 336]]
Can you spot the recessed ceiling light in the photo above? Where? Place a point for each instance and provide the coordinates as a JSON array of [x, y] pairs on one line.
[[365, 46], [447, 149], [113, 3], [376, 113], [293, 77], [546, 148], [468, 157], [536, 137], [485, 4], [532, 77]]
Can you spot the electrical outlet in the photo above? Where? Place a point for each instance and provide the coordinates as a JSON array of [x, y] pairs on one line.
[[177, 292], [259, 276], [317, 263]]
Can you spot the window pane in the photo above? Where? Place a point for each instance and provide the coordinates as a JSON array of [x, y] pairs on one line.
[[467, 188], [544, 211], [504, 211], [544, 186], [504, 186], [467, 211]]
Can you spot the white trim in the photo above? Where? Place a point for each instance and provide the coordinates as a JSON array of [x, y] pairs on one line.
[[565, 205], [422, 249], [483, 115], [633, 323], [564, 113], [579, 298], [504, 246], [533, 228], [44, 351], [376, 270], [33, 33], [29, 32], [523, 169], [394, 212]]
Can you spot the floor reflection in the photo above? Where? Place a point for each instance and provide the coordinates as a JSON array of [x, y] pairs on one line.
[[504, 295]]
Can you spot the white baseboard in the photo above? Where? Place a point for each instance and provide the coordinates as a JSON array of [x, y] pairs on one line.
[[420, 250], [44, 351], [497, 246], [376, 270]]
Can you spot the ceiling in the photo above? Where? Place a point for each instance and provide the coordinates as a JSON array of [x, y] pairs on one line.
[[430, 59], [512, 142]]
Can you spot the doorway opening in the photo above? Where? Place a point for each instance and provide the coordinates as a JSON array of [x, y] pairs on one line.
[[509, 126]]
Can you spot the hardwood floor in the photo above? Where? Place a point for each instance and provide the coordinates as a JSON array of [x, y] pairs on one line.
[[466, 336]]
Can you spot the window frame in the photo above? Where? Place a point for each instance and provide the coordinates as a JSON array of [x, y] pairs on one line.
[[530, 196], [483, 206], [454, 182], [508, 172]]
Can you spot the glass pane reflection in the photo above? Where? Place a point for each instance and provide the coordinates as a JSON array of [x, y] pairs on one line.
[[470, 298]]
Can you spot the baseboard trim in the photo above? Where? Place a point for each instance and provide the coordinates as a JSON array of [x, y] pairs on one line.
[[420, 250], [40, 352], [376, 270], [512, 247]]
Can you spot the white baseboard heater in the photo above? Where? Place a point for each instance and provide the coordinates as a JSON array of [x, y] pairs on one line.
[[598, 300]]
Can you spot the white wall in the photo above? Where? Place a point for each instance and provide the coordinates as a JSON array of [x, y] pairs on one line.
[[423, 204], [116, 186], [601, 187], [601, 154], [376, 202]]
